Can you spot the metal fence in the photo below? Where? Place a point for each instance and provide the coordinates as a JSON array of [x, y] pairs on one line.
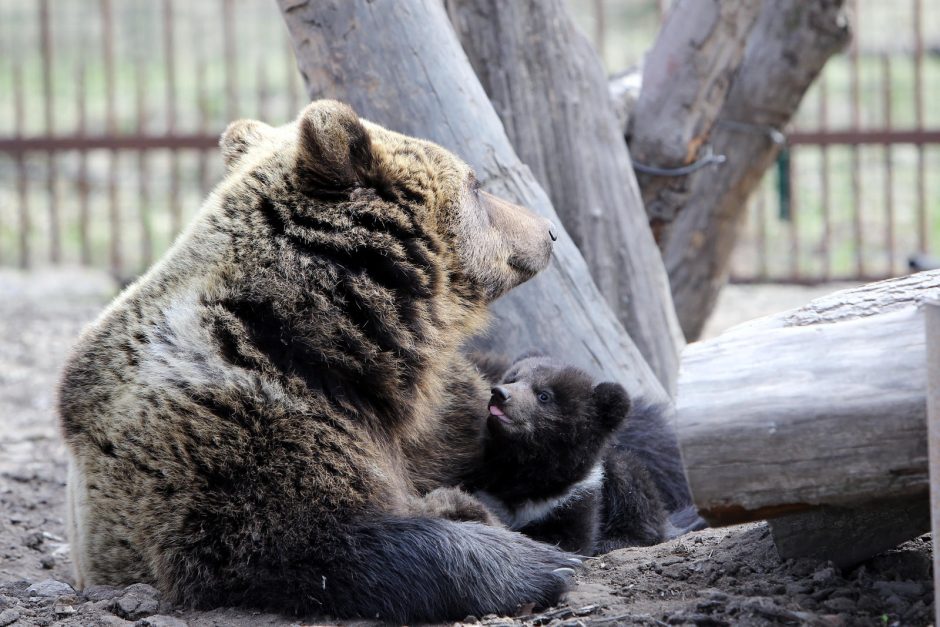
[[855, 195], [110, 118], [110, 112]]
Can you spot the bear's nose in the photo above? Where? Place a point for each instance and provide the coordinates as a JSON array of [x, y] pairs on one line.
[[501, 393]]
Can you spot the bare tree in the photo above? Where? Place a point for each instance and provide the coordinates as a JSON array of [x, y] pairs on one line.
[[686, 78], [786, 50], [549, 88]]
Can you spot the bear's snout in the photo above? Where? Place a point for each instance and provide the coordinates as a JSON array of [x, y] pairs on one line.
[[500, 394]]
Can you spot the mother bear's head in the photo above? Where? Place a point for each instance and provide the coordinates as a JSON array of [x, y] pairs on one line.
[[491, 245]]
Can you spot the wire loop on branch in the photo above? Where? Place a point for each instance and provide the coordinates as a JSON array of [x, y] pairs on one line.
[[709, 158]]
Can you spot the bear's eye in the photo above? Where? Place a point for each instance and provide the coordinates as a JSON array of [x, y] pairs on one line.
[[544, 397]]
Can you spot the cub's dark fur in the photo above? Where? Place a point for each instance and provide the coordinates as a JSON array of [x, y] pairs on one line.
[[548, 469], [647, 436], [272, 414]]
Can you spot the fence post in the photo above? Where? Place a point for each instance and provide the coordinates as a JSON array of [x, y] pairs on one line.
[[932, 323]]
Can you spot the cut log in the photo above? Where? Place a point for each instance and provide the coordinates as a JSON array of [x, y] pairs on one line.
[[549, 88], [821, 406], [686, 77], [787, 48], [401, 65], [847, 536]]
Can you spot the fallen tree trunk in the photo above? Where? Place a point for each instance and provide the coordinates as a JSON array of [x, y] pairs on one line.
[[548, 87], [686, 77], [786, 50], [821, 406], [401, 66]]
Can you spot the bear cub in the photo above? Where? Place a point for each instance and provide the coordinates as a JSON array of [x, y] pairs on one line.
[[549, 466]]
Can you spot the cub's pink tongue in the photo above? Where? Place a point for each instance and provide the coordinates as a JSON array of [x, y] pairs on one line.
[[496, 411]]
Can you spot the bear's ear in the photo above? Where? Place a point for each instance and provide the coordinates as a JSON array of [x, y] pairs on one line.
[[239, 137], [335, 151], [611, 403]]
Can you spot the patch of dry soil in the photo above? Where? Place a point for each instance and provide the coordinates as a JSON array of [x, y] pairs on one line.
[[729, 576]]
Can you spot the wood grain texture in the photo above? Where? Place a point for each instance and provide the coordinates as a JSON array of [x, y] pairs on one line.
[[858, 302], [624, 89], [786, 415], [401, 65], [549, 88], [847, 536], [787, 48], [686, 77]]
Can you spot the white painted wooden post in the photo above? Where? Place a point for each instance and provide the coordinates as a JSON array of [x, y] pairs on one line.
[[932, 318]]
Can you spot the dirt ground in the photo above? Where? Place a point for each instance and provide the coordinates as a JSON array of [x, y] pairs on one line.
[[729, 576]]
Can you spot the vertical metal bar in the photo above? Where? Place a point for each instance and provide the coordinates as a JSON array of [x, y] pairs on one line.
[[826, 247], [83, 207], [293, 84], [176, 218], [923, 239], [231, 66], [143, 163], [22, 183], [262, 92], [202, 101], [114, 216], [600, 27], [663, 9], [888, 174], [855, 115], [794, 215], [45, 40], [761, 206]]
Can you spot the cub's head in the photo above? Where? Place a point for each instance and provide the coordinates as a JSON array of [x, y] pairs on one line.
[[542, 404], [486, 245]]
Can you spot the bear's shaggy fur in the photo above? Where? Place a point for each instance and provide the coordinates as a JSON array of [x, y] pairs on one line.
[[646, 434], [549, 467], [272, 414]]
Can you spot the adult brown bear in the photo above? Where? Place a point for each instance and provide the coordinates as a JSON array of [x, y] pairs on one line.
[[259, 419]]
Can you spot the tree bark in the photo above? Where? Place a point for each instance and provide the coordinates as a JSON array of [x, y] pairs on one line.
[[786, 50], [828, 408], [686, 78], [624, 92], [549, 88], [400, 65]]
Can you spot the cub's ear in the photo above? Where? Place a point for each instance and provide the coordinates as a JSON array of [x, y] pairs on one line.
[[335, 152], [239, 137], [611, 403]]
